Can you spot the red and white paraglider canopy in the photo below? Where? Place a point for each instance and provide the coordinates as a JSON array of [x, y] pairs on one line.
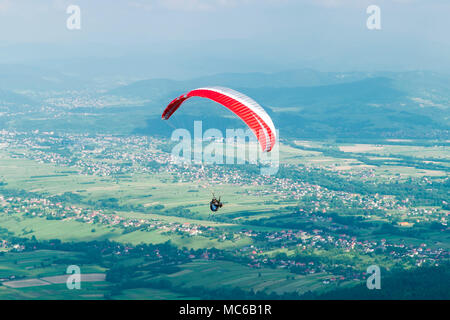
[[244, 107]]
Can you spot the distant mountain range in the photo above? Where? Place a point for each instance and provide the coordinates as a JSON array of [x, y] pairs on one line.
[[303, 103], [414, 80], [11, 101], [312, 104]]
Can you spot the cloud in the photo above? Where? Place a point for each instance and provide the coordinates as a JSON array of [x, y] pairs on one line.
[[31, 6], [5, 5], [356, 3], [199, 5], [144, 5]]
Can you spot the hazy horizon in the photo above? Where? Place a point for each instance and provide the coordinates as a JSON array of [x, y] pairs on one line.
[[155, 39]]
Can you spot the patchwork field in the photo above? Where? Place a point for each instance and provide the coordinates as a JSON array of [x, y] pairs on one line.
[[313, 227]]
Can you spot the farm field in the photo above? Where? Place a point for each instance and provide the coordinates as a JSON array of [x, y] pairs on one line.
[[229, 275], [90, 291], [41, 274], [332, 210]]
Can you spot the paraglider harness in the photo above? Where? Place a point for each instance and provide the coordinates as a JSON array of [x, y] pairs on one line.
[[215, 204]]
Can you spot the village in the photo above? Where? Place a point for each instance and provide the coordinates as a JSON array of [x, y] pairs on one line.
[[307, 243], [108, 155], [258, 255]]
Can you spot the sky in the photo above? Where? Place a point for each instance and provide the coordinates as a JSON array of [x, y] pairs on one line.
[[163, 38]]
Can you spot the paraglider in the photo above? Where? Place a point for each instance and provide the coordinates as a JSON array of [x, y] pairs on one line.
[[248, 110], [242, 106], [215, 204]]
